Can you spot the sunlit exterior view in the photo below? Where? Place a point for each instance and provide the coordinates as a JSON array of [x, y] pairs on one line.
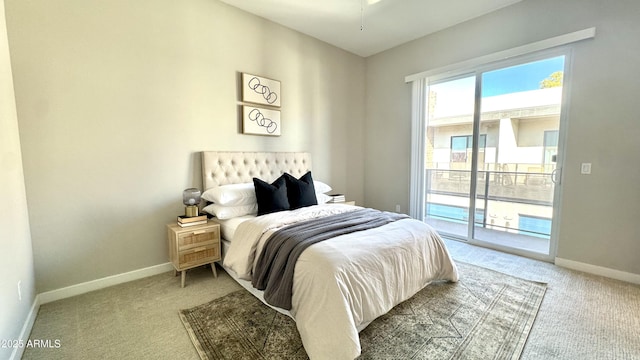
[[516, 156]]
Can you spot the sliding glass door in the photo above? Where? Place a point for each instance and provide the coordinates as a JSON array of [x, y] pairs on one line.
[[491, 153]]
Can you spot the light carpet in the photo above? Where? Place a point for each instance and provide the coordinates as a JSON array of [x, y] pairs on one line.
[[486, 315]]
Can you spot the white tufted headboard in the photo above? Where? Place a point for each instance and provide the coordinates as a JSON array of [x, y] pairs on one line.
[[234, 167]]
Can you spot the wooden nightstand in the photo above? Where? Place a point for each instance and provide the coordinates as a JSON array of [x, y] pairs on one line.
[[194, 246]]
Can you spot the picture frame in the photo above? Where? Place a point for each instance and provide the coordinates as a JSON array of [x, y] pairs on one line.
[[260, 121], [260, 90]]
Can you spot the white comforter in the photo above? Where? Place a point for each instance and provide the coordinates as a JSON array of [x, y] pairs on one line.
[[342, 284]]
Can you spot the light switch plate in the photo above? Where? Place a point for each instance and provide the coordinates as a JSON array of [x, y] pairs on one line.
[[585, 168]]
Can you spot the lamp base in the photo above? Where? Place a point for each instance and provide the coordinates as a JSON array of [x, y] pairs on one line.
[[191, 210]]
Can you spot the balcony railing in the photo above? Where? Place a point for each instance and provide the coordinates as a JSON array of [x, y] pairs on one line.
[[508, 201], [513, 186]]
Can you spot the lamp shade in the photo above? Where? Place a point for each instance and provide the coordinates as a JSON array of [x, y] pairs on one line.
[[191, 196]]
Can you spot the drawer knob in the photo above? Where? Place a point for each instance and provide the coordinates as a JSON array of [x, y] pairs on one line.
[[200, 249], [199, 232]]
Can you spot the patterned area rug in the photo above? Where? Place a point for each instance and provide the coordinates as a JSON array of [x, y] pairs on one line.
[[486, 315]]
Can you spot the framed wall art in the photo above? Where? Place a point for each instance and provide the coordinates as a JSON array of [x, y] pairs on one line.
[[259, 121], [260, 90]]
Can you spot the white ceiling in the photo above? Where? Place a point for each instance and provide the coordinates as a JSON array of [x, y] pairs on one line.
[[386, 23]]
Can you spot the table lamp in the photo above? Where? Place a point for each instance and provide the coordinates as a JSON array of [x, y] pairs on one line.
[[191, 199]]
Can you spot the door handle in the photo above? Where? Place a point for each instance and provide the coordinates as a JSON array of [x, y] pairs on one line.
[[555, 176]]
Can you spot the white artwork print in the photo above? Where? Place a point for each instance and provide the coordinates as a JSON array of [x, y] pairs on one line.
[[260, 90], [260, 121]]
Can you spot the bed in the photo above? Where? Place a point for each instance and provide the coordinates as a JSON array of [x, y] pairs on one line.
[[341, 284]]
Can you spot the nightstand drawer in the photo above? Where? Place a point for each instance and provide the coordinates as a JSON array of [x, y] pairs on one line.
[[199, 255], [197, 238]]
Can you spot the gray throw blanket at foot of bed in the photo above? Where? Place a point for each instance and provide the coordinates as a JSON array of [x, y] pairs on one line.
[[275, 266]]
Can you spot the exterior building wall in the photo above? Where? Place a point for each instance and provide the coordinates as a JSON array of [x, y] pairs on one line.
[[512, 141]]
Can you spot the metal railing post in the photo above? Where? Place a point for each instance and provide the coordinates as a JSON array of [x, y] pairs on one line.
[[427, 190], [486, 198]]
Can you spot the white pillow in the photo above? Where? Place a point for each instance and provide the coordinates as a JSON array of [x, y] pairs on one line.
[[233, 194], [323, 198], [228, 212], [321, 187]]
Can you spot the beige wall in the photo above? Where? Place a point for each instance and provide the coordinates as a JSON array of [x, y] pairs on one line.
[[16, 263], [115, 99], [599, 223]]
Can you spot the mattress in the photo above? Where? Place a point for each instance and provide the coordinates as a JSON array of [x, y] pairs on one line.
[[228, 227]]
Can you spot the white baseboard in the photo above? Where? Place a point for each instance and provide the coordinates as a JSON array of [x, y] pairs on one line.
[[73, 290], [26, 329], [599, 270]]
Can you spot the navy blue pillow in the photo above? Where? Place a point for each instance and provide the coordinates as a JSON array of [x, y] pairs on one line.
[[271, 197], [300, 192]]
